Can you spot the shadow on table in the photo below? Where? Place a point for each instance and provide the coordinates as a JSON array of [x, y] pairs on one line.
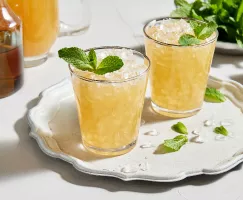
[[149, 115], [26, 158], [238, 78], [220, 59]]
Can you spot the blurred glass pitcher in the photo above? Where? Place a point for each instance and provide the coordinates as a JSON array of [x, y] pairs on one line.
[[41, 24]]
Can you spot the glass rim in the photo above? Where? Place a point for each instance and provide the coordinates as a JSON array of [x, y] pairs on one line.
[[177, 45], [113, 81]]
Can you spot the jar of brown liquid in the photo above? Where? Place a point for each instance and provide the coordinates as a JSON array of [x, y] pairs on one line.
[[11, 54]]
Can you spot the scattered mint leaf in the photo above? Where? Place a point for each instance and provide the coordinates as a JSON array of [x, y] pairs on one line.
[[109, 64], [75, 57], [92, 58], [221, 130], [171, 145], [78, 58], [188, 40], [179, 128], [214, 96]]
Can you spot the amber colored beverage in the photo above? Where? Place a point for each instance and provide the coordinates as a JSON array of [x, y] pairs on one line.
[[11, 69], [40, 25], [11, 54], [110, 105], [179, 74]]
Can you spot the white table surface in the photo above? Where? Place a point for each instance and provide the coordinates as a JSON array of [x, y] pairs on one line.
[[26, 173]]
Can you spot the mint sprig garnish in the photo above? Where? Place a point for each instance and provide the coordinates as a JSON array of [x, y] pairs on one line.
[[188, 40], [179, 128], [92, 58], [214, 96], [221, 130], [172, 145], [109, 64], [201, 31], [88, 62]]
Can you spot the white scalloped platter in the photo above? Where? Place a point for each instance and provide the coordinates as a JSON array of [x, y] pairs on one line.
[[54, 125]]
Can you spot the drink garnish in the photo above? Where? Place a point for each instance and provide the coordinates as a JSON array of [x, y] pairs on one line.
[[214, 96], [187, 40], [172, 145], [201, 31], [179, 128], [221, 130], [79, 59]]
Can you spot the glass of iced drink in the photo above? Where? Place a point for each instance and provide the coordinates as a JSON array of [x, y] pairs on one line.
[[110, 105], [179, 74]]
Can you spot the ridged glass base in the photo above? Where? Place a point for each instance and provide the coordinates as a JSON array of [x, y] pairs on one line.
[[110, 152], [174, 113]]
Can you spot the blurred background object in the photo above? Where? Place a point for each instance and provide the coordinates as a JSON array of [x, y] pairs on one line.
[[11, 57], [41, 25]]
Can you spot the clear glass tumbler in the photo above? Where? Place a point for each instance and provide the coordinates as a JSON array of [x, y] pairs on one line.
[[179, 74], [110, 110]]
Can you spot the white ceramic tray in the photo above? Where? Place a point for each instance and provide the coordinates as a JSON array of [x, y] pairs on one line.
[[54, 125]]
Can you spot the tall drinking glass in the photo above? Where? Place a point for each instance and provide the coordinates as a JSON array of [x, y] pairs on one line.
[[110, 105], [179, 74]]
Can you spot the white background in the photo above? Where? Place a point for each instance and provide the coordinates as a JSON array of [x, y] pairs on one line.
[[26, 173]]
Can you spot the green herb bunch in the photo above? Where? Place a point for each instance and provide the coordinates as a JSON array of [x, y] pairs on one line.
[[227, 14]]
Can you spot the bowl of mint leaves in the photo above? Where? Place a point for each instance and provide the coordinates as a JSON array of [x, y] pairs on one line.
[[226, 14]]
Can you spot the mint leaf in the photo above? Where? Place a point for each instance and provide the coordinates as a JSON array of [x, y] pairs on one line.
[[92, 58], [239, 12], [182, 10], [197, 27], [76, 57], [172, 145], [239, 40], [221, 130], [109, 64], [179, 128], [207, 31], [182, 3], [211, 18], [195, 15], [188, 40], [214, 96]]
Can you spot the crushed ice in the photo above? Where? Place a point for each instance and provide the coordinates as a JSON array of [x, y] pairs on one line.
[[152, 132], [146, 145], [209, 123], [197, 139]]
